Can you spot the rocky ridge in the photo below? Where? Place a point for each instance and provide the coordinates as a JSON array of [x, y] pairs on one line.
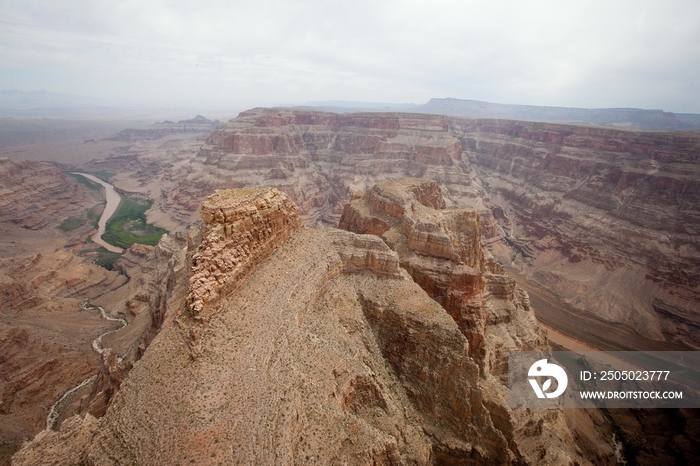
[[442, 250], [623, 117], [580, 208], [592, 208], [326, 351], [240, 229]]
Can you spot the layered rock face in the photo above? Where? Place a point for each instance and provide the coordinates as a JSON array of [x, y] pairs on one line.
[[320, 159], [154, 275], [35, 197], [240, 229], [442, 251], [609, 211], [325, 352]]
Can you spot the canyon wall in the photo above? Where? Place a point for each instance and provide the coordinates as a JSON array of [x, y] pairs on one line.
[[607, 219], [327, 351], [582, 208], [603, 218], [320, 159]]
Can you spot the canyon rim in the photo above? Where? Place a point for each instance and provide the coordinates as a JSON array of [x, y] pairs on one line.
[[342, 286]]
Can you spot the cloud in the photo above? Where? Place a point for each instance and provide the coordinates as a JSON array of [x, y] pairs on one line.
[[587, 53]]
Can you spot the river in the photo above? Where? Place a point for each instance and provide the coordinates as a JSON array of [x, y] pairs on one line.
[[55, 411], [113, 199]]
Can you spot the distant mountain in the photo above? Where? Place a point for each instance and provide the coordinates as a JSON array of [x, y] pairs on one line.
[[345, 106], [198, 124], [620, 117], [689, 118]]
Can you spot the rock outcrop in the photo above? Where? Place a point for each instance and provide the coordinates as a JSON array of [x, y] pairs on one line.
[[442, 251], [240, 229], [602, 210], [324, 352]]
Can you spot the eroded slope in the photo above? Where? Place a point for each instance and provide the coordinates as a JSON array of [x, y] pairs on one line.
[[326, 352]]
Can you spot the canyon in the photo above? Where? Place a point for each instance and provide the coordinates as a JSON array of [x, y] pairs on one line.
[[570, 208], [351, 362], [445, 222]]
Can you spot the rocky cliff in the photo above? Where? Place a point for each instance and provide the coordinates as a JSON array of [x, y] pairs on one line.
[[576, 209], [325, 351], [241, 228], [604, 218], [607, 219], [320, 159]]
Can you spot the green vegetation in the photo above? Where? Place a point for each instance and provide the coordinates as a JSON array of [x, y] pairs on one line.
[[92, 215], [88, 183], [128, 224], [106, 258], [71, 223]]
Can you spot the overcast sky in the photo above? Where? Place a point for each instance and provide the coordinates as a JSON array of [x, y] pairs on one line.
[[243, 53]]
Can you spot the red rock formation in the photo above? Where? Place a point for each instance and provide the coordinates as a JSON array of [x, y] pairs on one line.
[[318, 159], [241, 228], [325, 351], [619, 206], [443, 253]]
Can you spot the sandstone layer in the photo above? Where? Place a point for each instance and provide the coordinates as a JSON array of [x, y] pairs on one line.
[[240, 229], [326, 352], [35, 197], [607, 219], [604, 218]]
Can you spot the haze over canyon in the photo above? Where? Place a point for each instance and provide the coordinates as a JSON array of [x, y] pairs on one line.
[[342, 288]]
